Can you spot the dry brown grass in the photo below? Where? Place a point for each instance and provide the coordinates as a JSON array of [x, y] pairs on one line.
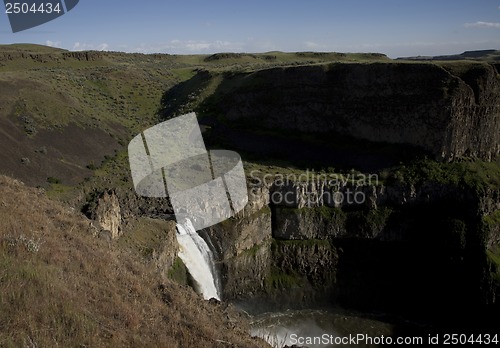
[[61, 287]]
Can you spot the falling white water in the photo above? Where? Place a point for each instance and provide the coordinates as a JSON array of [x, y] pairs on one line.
[[198, 258]]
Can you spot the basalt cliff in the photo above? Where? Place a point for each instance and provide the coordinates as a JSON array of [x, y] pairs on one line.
[[422, 239], [401, 247], [447, 110]]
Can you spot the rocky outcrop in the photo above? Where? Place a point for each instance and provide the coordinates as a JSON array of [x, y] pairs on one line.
[[242, 245], [57, 56], [134, 205], [438, 108], [108, 214], [155, 240]]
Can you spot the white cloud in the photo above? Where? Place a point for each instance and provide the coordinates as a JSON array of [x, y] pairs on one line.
[[53, 43], [102, 47], [197, 46], [483, 25], [314, 45], [90, 47], [190, 47]]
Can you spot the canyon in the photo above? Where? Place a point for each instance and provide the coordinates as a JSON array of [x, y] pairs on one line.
[[418, 241]]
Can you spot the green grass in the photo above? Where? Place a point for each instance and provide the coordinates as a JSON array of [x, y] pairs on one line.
[[178, 272], [476, 174], [268, 170], [244, 61], [183, 74], [112, 166], [114, 90], [59, 191], [493, 219]]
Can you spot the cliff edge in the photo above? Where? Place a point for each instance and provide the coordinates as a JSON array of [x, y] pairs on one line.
[[449, 110]]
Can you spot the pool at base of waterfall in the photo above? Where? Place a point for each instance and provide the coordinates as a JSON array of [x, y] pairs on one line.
[[334, 327]]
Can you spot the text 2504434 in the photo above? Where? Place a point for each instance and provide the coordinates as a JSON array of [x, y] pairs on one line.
[[26, 8]]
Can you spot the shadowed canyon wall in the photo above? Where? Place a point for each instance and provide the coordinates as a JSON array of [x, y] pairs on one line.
[[449, 110]]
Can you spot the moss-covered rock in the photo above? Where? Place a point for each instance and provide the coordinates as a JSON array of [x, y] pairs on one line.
[[178, 272]]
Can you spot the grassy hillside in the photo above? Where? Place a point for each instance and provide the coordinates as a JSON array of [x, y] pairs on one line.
[[60, 286], [63, 113]]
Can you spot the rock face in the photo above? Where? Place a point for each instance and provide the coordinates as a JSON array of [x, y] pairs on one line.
[[243, 247], [50, 57], [445, 110], [155, 240], [366, 255], [108, 214], [308, 223]]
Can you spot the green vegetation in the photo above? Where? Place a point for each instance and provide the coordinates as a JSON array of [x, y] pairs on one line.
[[104, 89], [330, 213], [476, 174], [100, 89], [271, 170], [148, 237], [60, 191], [490, 224], [113, 169], [280, 280], [308, 243], [494, 258], [52, 180], [228, 223], [178, 272], [122, 94], [493, 219]]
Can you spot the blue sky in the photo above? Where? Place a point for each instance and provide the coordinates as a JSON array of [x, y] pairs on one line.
[[394, 27]]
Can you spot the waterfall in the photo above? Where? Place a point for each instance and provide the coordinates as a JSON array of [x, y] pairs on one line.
[[199, 260]]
